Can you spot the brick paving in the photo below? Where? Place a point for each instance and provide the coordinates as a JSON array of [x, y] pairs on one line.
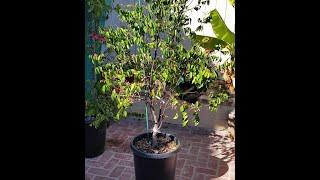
[[204, 155]]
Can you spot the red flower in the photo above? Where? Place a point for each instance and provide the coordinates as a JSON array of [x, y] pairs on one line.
[[95, 37], [101, 38]]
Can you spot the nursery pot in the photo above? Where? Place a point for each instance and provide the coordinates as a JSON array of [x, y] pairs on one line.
[[95, 138], [190, 97], [154, 166]]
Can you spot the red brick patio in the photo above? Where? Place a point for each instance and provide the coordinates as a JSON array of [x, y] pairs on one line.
[[204, 155]]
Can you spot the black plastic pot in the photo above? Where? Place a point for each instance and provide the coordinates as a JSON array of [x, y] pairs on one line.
[[154, 166], [192, 96], [95, 139]]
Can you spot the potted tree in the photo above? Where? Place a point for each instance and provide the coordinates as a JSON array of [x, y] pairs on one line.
[[99, 109], [99, 113], [150, 57]]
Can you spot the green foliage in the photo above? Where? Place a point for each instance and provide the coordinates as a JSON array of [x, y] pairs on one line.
[[150, 58], [216, 100], [216, 97], [199, 73], [196, 119], [99, 105], [97, 8], [183, 110], [97, 11], [223, 42]]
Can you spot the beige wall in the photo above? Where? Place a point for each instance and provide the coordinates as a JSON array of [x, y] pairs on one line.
[[209, 120]]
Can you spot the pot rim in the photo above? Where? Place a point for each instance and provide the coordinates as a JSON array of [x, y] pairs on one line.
[[152, 155]]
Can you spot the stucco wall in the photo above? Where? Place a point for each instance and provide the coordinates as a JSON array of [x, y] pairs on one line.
[[209, 120], [224, 8]]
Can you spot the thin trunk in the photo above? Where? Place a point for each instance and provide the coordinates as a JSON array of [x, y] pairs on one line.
[[155, 127], [154, 137], [156, 123]]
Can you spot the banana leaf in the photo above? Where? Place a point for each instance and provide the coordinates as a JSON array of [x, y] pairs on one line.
[[224, 36], [232, 2], [220, 29], [209, 42]]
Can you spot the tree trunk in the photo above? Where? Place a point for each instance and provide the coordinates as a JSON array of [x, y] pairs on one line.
[[155, 127], [154, 136]]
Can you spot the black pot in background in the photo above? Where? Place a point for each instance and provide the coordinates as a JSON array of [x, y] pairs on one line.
[[95, 138], [154, 166], [191, 92]]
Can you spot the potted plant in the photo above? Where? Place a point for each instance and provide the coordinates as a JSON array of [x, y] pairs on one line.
[[99, 108], [150, 57], [99, 113]]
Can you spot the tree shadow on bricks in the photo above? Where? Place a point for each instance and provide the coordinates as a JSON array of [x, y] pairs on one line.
[[221, 152], [223, 147], [121, 145], [213, 152], [217, 166]]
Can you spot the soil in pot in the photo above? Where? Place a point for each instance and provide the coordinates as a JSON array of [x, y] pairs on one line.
[[164, 144]]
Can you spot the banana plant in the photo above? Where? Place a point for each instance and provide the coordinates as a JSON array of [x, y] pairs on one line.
[[224, 36], [225, 39], [220, 28]]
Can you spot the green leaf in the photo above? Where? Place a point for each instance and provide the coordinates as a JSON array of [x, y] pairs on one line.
[[132, 87], [220, 28], [199, 28], [119, 105], [181, 108], [176, 116], [209, 42], [197, 105], [152, 93], [232, 2], [185, 122], [145, 29], [165, 75], [224, 36], [113, 94], [184, 115], [103, 88], [196, 119], [174, 101]]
